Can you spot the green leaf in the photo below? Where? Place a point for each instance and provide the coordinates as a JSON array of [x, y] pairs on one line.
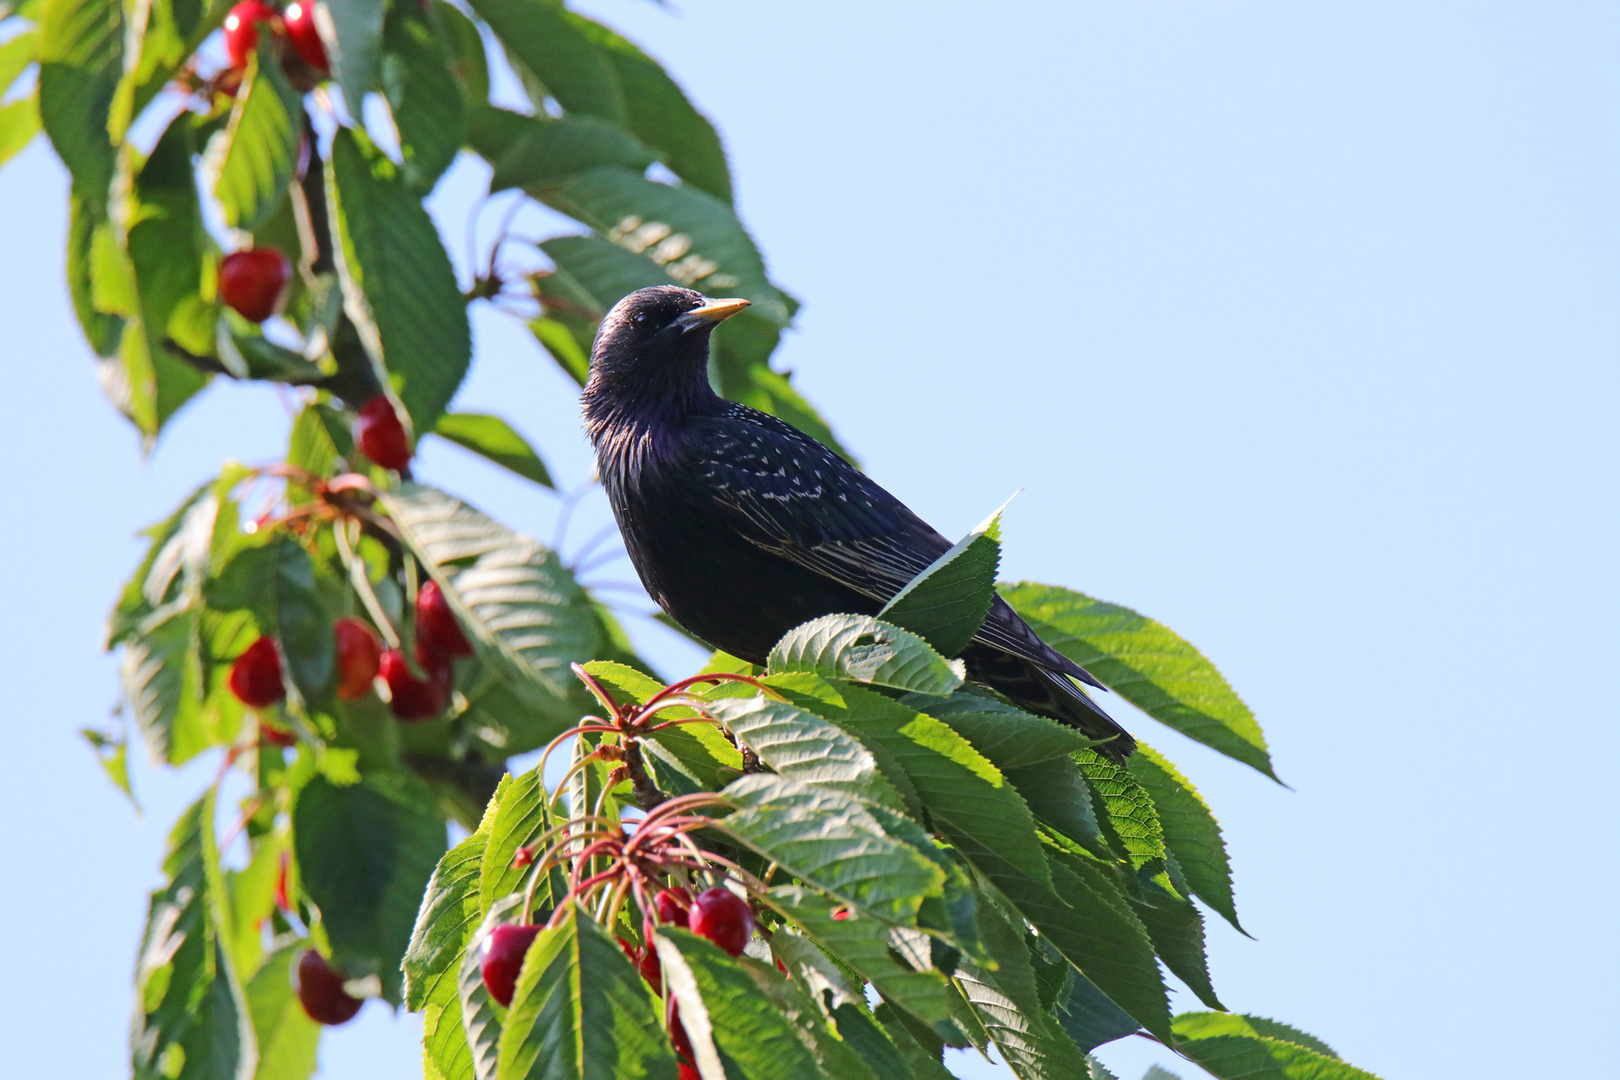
[[165, 246], [693, 237], [863, 1035], [191, 1019], [538, 154], [365, 855], [468, 63], [254, 357], [1155, 1072], [521, 815], [1007, 735], [19, 123], [802, 746], [354, 46], [867, 650], [833, 843], [520, 607], [1008, 1004], [275, 581], [286, 1035], [481, 1016], [1146, 664], [163, 682], [252, 160], [1190, 830], [726, 1013], [1274, 1029], [81, 58], [946, 604], [398, 285], [1177, 932], [89, 229], [1232, 1047], [423, 94], [449, 914], [1129, 815], [16, 55], [659, 114], [580, 1010], [539, 36], [113, 754], [493, 438]]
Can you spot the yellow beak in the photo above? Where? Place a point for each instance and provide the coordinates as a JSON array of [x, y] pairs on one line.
[[715, 311]]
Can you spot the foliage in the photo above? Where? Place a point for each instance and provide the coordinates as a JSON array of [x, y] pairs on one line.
[[927, 865]]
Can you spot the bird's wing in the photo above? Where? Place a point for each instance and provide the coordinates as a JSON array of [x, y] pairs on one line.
[[784, 492]]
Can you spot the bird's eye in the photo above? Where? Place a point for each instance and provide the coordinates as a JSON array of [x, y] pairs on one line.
[[641, 319]]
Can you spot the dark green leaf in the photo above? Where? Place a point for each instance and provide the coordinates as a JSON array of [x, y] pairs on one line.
[[252, 160], [1146, 664], [1190, 830], [355, 47], [275, 581], [1006, 734], [921, 1050], [864, 1036], [1177, 931], [540, 154], [254, 357], [88, 230], [864, 649], [423, 95], [286, 1035], [398, 285], [581, 1011], [365, 855], [1232, 1047], [725, 1012], [540, 37], [493, 438], [81, 58], [660, 115], [946, 604], [691, 236], [468, 62]]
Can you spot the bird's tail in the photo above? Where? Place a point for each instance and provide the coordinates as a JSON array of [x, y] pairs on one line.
[[1048, 693]]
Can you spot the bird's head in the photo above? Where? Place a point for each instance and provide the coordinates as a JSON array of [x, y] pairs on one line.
[[652, 352]]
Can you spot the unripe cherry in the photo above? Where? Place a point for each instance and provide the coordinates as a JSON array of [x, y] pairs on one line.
[[380, 435], [502, 959], [256, 675], [254, 283], [299, 19], [242, 29], [320, 991], [724, 918], [438, 635], [411, 698], [359, 653]]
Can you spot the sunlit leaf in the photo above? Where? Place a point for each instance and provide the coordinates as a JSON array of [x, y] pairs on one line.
[[864, 649]]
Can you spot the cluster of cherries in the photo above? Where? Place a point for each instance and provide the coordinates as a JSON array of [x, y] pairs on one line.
[[256, 677], [254, 282], [717, 914]]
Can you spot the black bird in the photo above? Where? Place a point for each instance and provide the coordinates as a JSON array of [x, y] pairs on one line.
[[742, 526]]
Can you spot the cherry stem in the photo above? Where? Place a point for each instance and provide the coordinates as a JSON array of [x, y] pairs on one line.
[[362, 585], [599, 692]]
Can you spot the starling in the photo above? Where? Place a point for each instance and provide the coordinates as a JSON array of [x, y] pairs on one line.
[[741, 527]]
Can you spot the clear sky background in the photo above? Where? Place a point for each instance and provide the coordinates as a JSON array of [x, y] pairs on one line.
[[1296, 323]]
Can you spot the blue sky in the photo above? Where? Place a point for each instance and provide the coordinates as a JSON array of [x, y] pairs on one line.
[[1297, 325]]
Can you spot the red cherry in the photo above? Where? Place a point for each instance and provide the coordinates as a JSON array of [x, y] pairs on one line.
[[673, 905], [683, 1071], [320, 991], [270, 735], [502, 959], [438, 635], [256, 675], [380, 435], [242, 29], [651, 970], [678, 1038], [358, 654], [723, 917], [409, 697], [299, 18], [254, 283]]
